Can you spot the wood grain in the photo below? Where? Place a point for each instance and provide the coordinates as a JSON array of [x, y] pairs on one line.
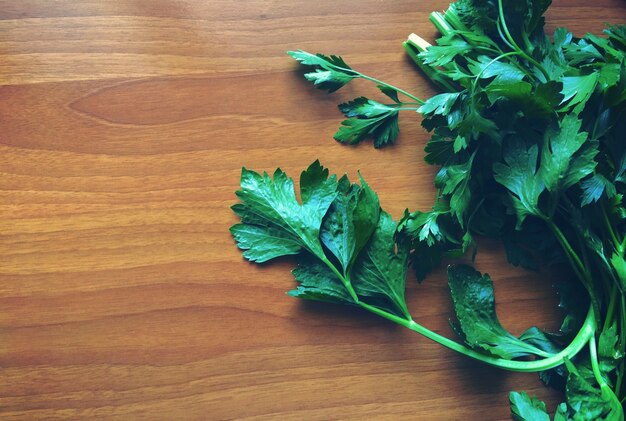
[[122, 296]]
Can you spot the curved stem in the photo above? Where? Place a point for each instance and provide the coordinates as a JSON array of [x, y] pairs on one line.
[[595, 367], [504, 55], [509, 37], [578, 343], [402, 91], [582, 337], [514, 45]]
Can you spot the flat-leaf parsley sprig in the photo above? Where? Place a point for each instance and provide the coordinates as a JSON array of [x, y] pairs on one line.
[[529, 132]]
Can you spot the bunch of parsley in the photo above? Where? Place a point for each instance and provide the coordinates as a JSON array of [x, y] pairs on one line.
[[530, 135]]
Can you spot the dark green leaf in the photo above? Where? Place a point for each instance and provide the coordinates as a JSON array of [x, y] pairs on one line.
[[439, 104], [474, 305], [446, 50], [264, 243], [318, 282], [559, 169], [519, 175], [593, 188], [453, 180], [275, 221], [525, 408], [585, 401], [365, 108], [516, 254], [609, 352], [368, 118], [350, 222], [438, 150], [578, 89], [380, 271], [503, 72], [390, 92]]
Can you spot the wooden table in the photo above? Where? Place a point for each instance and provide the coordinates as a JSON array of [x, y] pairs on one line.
[[122, 296]]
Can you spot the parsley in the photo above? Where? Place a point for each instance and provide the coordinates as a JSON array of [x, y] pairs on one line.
[[529, 131]]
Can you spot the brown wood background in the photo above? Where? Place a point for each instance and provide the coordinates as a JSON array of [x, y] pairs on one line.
[[124, 125]]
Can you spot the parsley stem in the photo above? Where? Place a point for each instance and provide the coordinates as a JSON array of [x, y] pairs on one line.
[[622, 345], [344, 279], [608, 320], [605, 389], [578, 343], [437, 77], [593, 353], [609, 228], [380, 82], [576, 263], [514, 45]]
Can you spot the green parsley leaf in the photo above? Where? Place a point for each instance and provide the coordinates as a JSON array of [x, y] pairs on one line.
[[577, 90], [390, 92], [474, 305], [330, 72], [317, 282], [424, 226], [594, 187], [274, 223], [453, 180], [350, 222], [585, 401], [383, 129], [365, 108], [448, 47], [380, 272], [608, 349], [503, 73], [525, 408], [519, 175], [439, 104], [559, 168], [438, 150]]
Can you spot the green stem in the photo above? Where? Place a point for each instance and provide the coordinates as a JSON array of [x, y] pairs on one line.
[[514, 44], [579, 342], [622, 345], [605, 389], [609, 228], [521, 366], [595, 367], [344, 279], [440, 23], [402, 91], [501, 56], [433, 74], [379, 82], [577, 265], [608, 320], [586, 331]]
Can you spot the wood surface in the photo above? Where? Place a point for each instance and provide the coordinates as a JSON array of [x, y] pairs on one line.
[[124, 126]]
